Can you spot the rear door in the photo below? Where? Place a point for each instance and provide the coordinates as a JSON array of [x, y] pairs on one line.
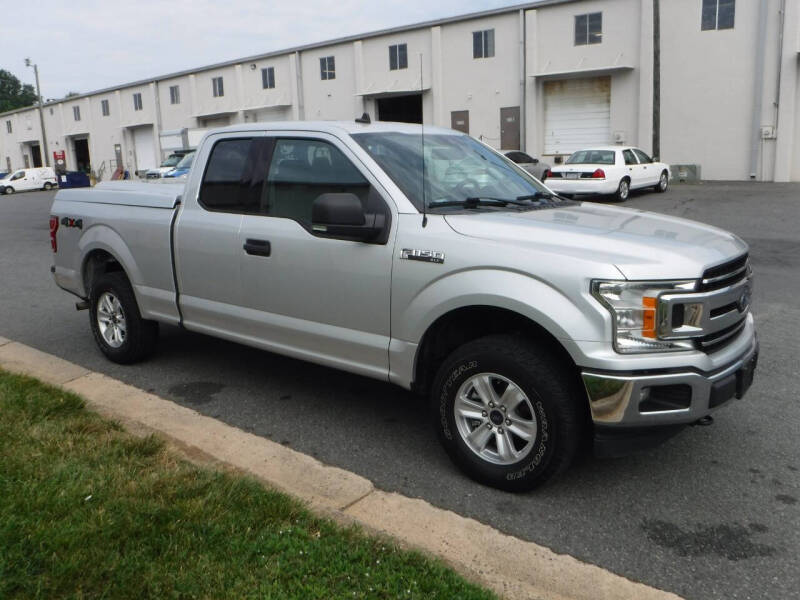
[[307, 294], [650, 173], [633, 169], [207, 246]]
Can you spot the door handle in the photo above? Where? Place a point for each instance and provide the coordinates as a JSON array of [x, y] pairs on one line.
[[257, 247]]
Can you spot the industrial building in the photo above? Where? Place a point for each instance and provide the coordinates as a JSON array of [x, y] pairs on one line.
[[710, 85]]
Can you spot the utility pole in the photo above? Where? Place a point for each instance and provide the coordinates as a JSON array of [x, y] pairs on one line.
[[656, 79], [28, 63]]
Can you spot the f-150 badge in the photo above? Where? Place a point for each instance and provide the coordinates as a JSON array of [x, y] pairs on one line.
[[433, 256]]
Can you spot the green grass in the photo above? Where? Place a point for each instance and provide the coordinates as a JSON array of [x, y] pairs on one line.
[[90, 511]]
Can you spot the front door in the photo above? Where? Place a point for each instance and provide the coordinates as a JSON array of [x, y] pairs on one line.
[[307, 294], [650, 174], [509, 128]]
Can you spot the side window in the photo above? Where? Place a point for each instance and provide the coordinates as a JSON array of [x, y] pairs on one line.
[[630, 159], [643, 158], [301, 170], [233, 181], [18, 175]]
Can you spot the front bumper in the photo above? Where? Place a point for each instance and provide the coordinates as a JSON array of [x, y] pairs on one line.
[[674, 397]]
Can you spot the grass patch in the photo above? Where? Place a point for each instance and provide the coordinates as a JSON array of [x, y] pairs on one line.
[[90, 511]]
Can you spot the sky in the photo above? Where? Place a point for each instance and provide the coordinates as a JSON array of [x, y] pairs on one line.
[[86, 45]]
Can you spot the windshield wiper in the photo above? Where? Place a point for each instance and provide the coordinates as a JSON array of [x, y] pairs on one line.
[[475, 201]]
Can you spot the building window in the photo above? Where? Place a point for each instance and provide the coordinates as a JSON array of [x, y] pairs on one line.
[[8, 127], [268, 78], [327, 67], [588, 29], [216, 87], [137, 101], [174, 94], [483, 43], [76, 112], [398, 57], [104, 108], [718, 14]]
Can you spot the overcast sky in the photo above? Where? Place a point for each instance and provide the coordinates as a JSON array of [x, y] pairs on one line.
[[85, 45]]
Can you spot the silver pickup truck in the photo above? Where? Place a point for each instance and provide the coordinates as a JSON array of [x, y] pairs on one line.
[[535, 324]]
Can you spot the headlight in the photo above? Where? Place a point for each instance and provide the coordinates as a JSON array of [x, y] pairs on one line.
[[634, 307]]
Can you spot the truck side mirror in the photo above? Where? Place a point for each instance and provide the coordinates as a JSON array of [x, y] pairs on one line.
[[342, 215]]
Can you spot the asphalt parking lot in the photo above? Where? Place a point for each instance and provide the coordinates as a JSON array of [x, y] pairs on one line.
[[713, 513]]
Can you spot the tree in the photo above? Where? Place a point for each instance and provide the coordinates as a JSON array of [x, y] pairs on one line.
[[13, 94]]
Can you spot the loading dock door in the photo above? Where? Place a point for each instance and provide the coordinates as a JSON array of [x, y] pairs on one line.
[[145, 148], [509, 128], [459, 120], [577, 114]]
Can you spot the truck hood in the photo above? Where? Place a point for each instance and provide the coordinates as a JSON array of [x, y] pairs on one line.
[[640, 244]]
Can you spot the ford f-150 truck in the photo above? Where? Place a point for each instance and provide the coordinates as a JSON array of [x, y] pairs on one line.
[[534, 323]]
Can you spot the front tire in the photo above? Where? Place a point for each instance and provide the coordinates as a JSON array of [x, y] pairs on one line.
[[507, 413], [663, 183], [8, 190], [117, 325], [623, 190]]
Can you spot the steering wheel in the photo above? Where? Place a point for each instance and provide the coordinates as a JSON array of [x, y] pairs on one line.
[[467, 187]]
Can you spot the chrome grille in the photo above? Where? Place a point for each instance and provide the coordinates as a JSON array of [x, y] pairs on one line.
[[726, 274], [715, 313]]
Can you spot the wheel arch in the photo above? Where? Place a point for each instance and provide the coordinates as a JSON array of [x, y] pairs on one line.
[[103, 250], [461, 325]]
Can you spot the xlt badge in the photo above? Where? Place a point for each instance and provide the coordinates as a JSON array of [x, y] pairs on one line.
[[433, 256]]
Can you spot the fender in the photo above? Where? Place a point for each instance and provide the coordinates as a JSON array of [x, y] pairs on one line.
[[103, 237]]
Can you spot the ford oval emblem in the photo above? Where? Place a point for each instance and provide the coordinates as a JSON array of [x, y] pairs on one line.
[[744, 300]]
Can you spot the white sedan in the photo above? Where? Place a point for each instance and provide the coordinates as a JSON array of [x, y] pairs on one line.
[[609, 170]]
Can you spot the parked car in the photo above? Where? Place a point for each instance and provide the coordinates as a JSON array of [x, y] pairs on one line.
[[611, 170], [38, 178], [533, 323], [181, 170], [169, 163], [532, 165]]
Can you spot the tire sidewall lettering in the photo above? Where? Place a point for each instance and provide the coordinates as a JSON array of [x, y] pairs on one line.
[[455, 375]]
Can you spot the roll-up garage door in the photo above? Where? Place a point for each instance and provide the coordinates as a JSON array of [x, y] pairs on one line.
[[577, 114], [145, 148]]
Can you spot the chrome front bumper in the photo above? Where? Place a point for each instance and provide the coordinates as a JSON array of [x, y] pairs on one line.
[[670, 398]]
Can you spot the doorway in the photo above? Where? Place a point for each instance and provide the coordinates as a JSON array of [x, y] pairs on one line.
[[36, 155], [509, 128], [402, 109], [82, 162], [459, 120]]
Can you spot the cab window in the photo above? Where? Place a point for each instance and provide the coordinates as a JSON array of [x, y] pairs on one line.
[[301, 170], [233, 180], [18, 175]]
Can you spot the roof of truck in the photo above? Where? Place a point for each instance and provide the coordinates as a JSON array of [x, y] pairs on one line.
[[349, 127]]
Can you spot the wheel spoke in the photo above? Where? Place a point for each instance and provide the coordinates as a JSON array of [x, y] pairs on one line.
[[505, 445], [479, 437], [483, 386], [468, 408], [523, 428], [512, 397]]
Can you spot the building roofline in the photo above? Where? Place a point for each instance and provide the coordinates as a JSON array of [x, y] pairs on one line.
[[304, 47]]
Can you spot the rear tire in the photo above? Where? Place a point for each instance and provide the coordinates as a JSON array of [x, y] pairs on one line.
[[117, 325], [48, 186], [663, 183], [623, 190], [507, 413]]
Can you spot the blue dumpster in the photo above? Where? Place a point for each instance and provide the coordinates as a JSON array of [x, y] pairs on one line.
[[73, 179]]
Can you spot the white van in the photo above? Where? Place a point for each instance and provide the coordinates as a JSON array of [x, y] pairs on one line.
[[40, 178]]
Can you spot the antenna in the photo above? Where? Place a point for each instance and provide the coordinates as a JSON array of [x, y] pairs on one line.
[[422, 136]]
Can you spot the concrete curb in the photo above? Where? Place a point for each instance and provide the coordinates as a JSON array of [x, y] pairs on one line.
[[513, 568]]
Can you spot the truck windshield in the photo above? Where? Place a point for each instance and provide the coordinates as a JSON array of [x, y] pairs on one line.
[[457, 168], [171, 161], [186, 161]]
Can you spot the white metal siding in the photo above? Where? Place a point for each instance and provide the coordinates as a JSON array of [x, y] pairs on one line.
[[577, 114], [145, 148]]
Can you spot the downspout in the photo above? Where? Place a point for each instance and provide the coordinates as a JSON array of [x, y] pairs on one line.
[[758, 90], [780, 63], [656, 150], [523, 44]]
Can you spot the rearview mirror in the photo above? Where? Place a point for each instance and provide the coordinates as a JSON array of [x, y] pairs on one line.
[[342, 215]]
